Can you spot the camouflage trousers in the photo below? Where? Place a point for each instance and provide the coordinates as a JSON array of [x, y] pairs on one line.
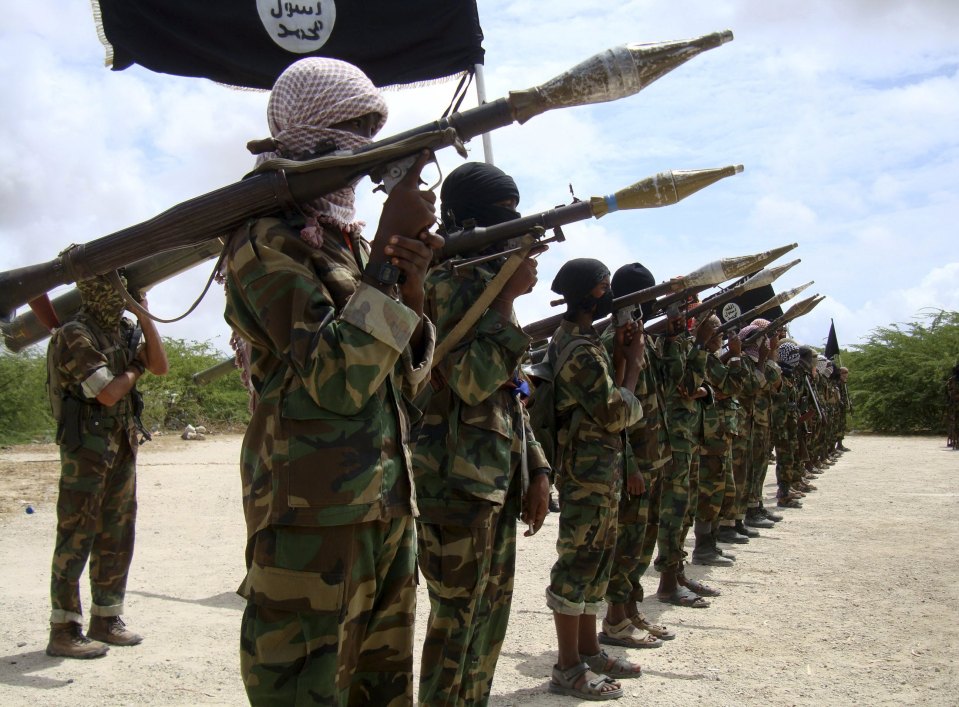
[[787, 453], [759, 460], [360, 652], [96, 519], [679, 476], [469, 573], [734, 501], [715, 476], [631, 530], [585, 548]]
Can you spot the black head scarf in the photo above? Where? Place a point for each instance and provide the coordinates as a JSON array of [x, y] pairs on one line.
[[633, 278], [576, 279], [471, 191]]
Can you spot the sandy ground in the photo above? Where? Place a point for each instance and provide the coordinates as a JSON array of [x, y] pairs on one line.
[[850, 600]]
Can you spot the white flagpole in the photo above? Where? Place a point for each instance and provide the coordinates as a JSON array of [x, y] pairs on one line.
[[481, 99]]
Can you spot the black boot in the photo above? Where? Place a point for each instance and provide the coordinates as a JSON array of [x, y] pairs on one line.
[[728, 534], [705, 552], [755, 519], [743, 531], [769, 515]]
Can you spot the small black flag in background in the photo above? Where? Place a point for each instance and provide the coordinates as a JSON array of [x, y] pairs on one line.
[[832, 343], [250, 42]]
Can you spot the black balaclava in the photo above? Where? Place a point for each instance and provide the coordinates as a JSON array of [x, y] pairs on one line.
[[633, 278], [576, 279], [470, 192]]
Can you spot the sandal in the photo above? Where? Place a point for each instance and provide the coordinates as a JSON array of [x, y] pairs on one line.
[[699, 588], [683, 597], [641, 622], [564, 682], [605, 664], [625, 634]]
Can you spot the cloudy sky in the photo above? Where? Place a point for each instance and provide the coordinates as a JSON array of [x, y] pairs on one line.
[[844, 114]]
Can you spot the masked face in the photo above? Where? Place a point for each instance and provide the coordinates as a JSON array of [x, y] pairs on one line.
[[604, 305], [102, 301]]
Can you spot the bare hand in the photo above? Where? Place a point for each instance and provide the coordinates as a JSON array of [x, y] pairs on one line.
[[525, 278], [407, 212], [536, 504], [735, 345], [635, 484]]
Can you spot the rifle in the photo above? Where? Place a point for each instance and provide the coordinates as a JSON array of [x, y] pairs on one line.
[[279, 185], [700, 279]]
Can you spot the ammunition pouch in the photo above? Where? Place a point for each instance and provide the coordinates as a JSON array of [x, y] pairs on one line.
[[70, 425]]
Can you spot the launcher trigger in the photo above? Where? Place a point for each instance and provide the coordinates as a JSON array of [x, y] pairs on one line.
[[558, 235]]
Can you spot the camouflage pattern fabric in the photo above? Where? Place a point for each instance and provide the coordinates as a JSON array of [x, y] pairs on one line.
[[760, 439], [469, 571], [593, 458], [585, 549], [638, 518], [352, 645], [719, 425], [786, 432], [96, 505], [333, 371], [685, 420], [464, 469], [591, 475]]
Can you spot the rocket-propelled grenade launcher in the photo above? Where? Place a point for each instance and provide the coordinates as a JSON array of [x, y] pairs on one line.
[[278, 185]]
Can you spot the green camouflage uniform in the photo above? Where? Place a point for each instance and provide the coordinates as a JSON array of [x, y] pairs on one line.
[[785, 427], [325, 469], [467, 488], [592, 416], [687, 363], [719, 426], [735, 508], [96, 505], [638, 516], [759, 445], [806, 407]]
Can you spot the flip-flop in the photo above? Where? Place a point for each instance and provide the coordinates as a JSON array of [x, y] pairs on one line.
[[626, 635], [683, 597], [699, 588], [662, 632]]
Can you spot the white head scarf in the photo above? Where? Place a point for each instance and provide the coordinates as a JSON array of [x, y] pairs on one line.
[[308, 97]]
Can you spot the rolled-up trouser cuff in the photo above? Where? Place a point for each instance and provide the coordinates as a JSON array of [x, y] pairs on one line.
[[60, 616], [114, 610], [568, 608]]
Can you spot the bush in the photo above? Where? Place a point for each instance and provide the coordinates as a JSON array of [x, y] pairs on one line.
[[171, 401], [897, 378]]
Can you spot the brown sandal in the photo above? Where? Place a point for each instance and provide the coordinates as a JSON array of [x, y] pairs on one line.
[[661, 632]]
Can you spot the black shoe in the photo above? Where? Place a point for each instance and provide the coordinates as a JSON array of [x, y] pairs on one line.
[[712, 558], [843, 448], [728, 534], [745, 532], [553, 504], [754, 519], [769, 515]]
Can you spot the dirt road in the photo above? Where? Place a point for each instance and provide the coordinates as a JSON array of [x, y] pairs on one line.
[[850, 600]]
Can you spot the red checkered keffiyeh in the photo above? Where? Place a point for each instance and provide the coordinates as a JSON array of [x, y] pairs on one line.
[[308, 97], [753, 349]]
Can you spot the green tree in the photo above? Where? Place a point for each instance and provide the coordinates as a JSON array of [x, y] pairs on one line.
[[171, 401], [897, 378]]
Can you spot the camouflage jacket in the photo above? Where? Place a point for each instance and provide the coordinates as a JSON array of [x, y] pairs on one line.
[[785, 416], [721, 418], [685, 363], [770, 375], [649, 437], [469, 444], [330, 362], [83, 360], [593, 414]]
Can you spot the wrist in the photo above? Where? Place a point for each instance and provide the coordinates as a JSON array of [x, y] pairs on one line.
[[136, 368]]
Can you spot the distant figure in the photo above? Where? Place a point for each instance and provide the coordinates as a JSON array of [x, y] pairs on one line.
[[93, 362]]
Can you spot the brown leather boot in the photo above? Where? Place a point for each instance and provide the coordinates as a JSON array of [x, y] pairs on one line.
[[67, 641], [111, 629]]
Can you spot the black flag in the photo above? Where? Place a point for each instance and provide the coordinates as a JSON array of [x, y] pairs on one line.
[[250, 42], [832, 343], [749, 300]]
